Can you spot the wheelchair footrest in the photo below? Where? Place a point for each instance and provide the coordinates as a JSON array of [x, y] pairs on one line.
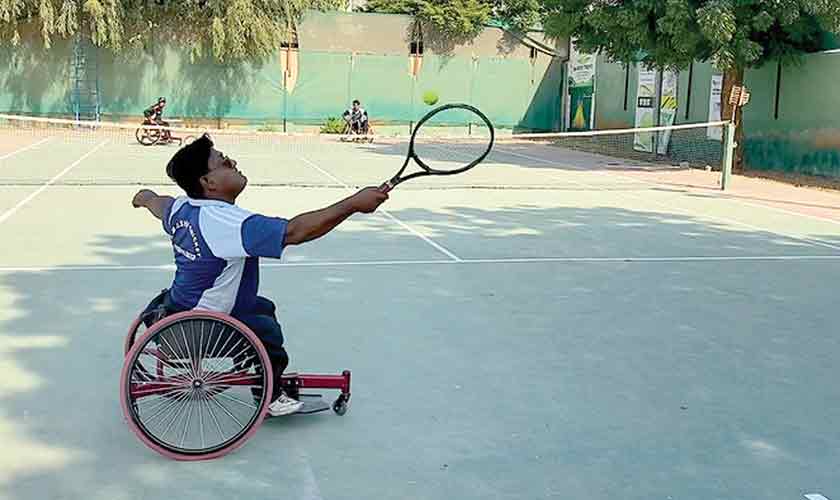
[[312, 403]]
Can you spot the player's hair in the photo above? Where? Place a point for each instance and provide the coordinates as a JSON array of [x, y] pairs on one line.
[[189, 165]]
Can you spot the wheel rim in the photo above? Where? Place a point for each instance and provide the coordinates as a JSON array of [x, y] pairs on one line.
[[147, 137], [196, 385], [136, 330]]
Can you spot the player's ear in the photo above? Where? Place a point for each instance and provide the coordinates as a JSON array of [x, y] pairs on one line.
[[208, 183]]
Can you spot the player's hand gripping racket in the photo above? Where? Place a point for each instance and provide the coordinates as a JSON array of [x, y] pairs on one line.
[[438, 156]]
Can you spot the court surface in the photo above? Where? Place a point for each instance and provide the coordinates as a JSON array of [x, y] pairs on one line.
[[548, 325]]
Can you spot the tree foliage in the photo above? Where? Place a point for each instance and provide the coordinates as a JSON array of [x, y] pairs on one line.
[[224, 29], [450, 18], [673, 33], [733, 35], [463, 19]]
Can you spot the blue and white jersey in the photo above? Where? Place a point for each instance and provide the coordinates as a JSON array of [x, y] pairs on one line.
[[216, 246]]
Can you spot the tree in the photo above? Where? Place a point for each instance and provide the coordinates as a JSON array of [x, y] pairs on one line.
[[733, 35], [519, 15], [462, 20], [226, 30], [451, 19]]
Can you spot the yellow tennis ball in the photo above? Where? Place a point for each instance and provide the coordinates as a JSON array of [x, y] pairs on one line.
[[430, 97]]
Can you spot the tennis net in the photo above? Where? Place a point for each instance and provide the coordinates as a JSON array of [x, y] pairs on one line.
[[37, 151]]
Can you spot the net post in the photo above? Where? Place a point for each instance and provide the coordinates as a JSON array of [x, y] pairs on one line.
[[728, 156]]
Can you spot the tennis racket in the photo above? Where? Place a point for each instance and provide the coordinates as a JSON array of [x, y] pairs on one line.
[[436, 155]]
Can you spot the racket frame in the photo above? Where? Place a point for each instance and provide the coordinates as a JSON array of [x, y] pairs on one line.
[[427, 170]]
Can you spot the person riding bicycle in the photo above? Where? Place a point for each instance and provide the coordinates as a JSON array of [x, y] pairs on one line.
[[154, 116], [357, 117]]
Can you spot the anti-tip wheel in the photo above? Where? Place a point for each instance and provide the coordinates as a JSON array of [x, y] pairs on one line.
[[340, 406]]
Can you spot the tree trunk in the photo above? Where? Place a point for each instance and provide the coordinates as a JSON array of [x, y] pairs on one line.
[[731, 78]]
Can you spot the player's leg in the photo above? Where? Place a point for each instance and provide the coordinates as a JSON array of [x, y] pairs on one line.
[[264, 324]]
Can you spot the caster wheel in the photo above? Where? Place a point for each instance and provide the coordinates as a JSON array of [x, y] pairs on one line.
[[340, 406]]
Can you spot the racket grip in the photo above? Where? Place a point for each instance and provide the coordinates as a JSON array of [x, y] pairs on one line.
[[386, 186]]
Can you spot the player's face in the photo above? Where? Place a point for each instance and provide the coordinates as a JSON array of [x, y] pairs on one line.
[[223, 180]]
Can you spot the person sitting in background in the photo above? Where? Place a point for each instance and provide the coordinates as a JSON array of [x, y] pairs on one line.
[[357, 117]]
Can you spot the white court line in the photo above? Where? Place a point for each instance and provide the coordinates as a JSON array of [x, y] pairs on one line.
[[721, 195], [390, 216], [311, 491], [815, 496], [813, 241], [61, 174], [25, 148], [503, 260], [777, 209], [735, 199]]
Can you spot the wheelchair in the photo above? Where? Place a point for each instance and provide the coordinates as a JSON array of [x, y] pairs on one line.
[[196, 385], [150, 133], [351, 134]]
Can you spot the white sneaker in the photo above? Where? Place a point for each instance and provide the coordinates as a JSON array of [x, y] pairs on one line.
[[284, 405]]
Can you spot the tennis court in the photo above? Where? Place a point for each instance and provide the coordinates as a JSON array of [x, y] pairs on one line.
[[556, 323]]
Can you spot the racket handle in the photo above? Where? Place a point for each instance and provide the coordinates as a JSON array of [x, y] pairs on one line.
[[386, 186]]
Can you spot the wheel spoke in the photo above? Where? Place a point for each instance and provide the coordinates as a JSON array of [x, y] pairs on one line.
[[201, 419], [207, 401], [187, 355], [154, 404], [201, 346], [217, 361], [218, 374], [237, 400], [189, 417], [155, 354], [178, 413], [229, 414], [167, 408], [191, 377]]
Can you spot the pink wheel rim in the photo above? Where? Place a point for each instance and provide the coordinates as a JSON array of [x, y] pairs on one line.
[[225, 447], [129, 338]]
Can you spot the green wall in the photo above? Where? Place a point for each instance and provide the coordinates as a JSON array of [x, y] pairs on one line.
[[610, 112], [802, 138], [514, 92], [35, 80]]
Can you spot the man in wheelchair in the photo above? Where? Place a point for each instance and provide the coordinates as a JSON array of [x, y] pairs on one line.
[[357, 119], [217, 245], [154, 116]]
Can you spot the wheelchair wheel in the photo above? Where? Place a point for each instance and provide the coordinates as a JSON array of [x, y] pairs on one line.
[[147, 137], [145, 319], [135, 330], [196, 385]]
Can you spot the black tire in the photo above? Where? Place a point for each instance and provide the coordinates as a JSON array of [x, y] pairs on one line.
[[146, 136]]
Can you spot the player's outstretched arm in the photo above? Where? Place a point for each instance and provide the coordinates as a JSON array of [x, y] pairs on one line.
[[146, 198], [311, 225]]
